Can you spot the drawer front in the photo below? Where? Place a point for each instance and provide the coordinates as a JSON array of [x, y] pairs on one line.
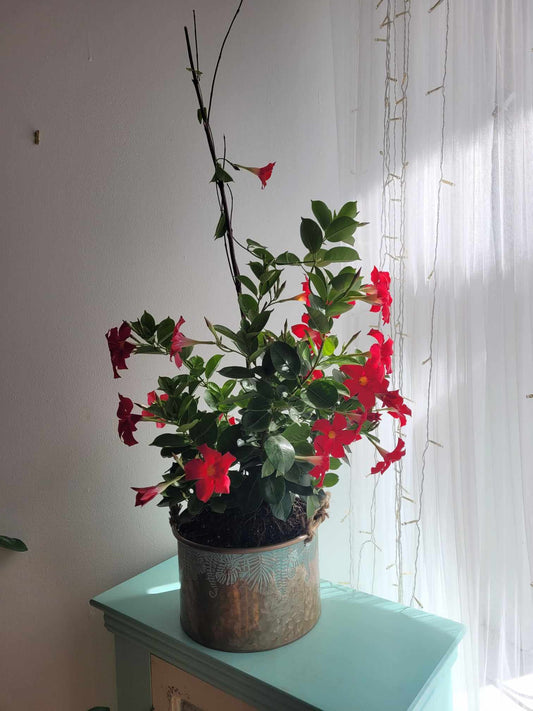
[[176, 690]]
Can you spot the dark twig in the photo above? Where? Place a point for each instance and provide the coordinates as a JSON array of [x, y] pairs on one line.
[[219, 58], [228, 239], [196, 41]]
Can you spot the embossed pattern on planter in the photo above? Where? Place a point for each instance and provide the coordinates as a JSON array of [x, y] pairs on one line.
[[249, 601]]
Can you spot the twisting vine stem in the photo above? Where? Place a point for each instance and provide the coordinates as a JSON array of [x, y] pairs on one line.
[[204, 113]]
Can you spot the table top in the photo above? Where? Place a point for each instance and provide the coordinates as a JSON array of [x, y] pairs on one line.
[[365, 653]]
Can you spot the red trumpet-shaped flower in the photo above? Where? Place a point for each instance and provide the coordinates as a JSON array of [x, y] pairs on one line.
[[210, 472], [178, 342], [382, 350], [304, 296], [397, 408], [147, 493], [334, 435], [388, 457], [365, 381], [320, 460], [378, 293], [151, 398], [127, 423], [302, 330], [119, 347], [263, 173]]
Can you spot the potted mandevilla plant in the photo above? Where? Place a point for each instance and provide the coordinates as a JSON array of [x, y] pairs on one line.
[[255, 433]]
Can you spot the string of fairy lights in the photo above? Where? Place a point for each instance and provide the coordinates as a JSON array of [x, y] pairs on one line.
[[395, 35]]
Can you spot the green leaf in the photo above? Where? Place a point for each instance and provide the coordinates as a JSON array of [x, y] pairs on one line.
[[165, 329], [256, 417], [148, 325], [282, 509], [13, 544], [248, 283], [310, 234], [267, 469], [319, 282], [200, 115], [217, 505], [221, 175], [348, 210], [287, 258], [226, 332], [304, 449], [257, 268], [331, 479], [205, 430], [273, 489], [340, 307], [280, 452], [341, 254], [334, 463], [285, 359], [259, 322], [268, 279], [212, 363], [322, 213], [169, 440], [299, 473], [340, 228], [221, 226], [344, 280], [235, 371], [248, 304], [322, 394], [318, 321], [296, 432], [329, 345], [227, 439]]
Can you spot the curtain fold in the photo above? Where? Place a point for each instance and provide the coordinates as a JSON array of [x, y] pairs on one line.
[[435, 134]]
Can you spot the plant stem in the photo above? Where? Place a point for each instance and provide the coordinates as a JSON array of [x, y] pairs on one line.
[[229, 239], [219, 58]]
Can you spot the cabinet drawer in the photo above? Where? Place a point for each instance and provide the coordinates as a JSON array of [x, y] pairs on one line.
[[176, 690]]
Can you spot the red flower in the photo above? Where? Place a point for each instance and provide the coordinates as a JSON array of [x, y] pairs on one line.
[[334, 435], [317, 374], [388, 457], [364, 381], [147, 493], [230, 420], [382, 350], [263, 173], [378, 294], [119, 347], [178, 342], [302, 330], [211, 472], [397, 408], [127, 423], [304, 296], [152, 397], [320, 460]]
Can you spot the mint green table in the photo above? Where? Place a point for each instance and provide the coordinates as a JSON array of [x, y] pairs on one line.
[[365, 654]]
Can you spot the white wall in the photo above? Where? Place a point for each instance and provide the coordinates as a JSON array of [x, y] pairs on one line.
[[112, 213]]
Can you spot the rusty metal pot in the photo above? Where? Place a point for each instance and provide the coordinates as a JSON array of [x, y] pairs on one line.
[[249, 599]]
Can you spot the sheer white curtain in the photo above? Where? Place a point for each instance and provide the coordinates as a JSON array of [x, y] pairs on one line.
[[435, 135]]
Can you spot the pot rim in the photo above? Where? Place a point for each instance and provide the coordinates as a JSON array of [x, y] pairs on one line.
[[236, 551]]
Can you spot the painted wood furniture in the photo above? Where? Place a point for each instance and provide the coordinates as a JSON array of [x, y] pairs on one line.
[[365, 654]]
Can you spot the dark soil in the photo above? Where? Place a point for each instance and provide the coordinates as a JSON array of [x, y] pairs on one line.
[[234, 529]]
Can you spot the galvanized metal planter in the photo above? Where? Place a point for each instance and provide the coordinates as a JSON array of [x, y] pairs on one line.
[[249, 599]]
